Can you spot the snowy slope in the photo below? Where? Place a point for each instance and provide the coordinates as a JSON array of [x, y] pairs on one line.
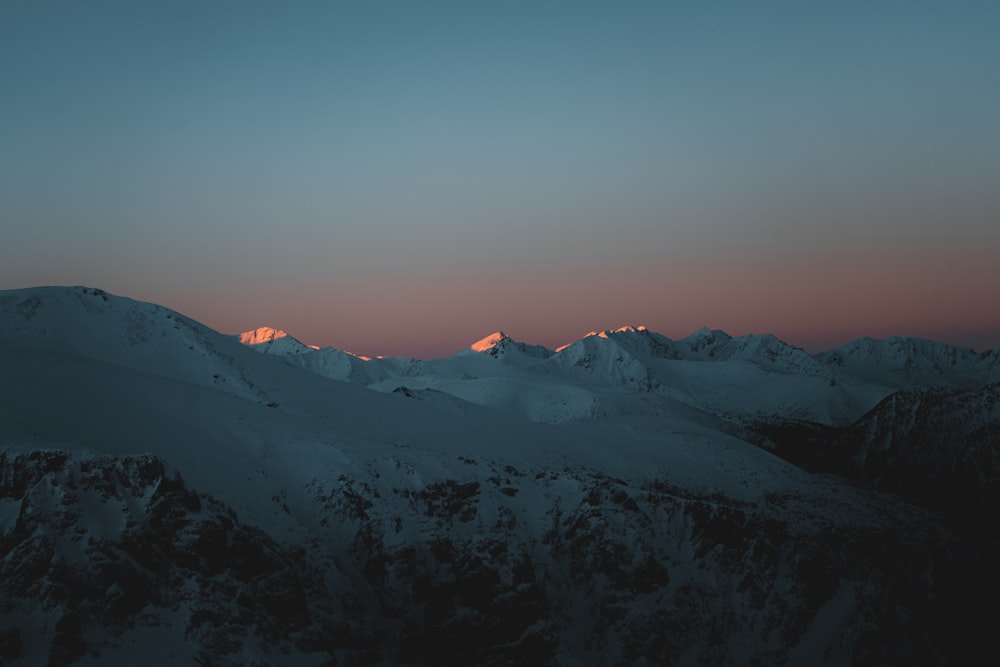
[[92, 324], [339, 365], [587, 378], [282, 517]]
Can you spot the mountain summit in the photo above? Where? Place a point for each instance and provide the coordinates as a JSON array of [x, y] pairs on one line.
[[499, 345], [490, 342], [273, 341], [261, 335]]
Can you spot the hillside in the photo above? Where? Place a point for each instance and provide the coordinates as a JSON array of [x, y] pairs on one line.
[[170, 493]]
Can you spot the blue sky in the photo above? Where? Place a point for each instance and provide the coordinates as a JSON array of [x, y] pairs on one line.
[[404, 177]]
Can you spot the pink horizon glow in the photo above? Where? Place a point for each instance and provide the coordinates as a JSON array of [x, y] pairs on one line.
[[814, 299]]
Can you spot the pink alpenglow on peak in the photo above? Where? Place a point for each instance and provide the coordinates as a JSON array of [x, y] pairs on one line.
[[501, 346], [605, 334], [625, 329], [268, 339], [261, 335], [489, 342]]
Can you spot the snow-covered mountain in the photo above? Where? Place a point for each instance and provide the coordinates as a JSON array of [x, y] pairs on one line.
[[935, 445], [911, 362], [274, 341], [501, 346], [91, 324], [748, 378], [172, 495]]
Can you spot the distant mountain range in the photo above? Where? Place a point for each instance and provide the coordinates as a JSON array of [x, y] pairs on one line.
[[175, 495], [750, 377]]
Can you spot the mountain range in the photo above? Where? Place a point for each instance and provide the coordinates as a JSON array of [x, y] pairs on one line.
[[168, 490]]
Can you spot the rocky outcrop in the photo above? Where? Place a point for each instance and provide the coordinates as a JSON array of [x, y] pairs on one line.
[[94, 547]]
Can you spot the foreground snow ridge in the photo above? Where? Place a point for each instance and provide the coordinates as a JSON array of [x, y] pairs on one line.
[[166, 489]]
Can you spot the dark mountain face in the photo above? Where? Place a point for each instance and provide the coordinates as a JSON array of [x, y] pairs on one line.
[[320, 522], [99, 550], [104, 546], [936, 446]]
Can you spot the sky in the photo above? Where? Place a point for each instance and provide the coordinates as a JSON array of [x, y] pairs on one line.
[[404, 178]]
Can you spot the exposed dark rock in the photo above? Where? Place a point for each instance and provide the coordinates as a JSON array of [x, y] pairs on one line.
[[170, 550], [936, 446], [618, 574]]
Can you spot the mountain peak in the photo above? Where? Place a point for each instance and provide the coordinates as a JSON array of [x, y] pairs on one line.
[[500, 346], [490, 342], [273, 341], [261, 335], [608, 332]]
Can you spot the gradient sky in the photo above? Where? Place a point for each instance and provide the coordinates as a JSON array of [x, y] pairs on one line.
[[403, 178]]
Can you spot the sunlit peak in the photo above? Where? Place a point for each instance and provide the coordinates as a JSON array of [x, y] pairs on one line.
[[489, 342], [608, 332], [605, 334], [261, 335]]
